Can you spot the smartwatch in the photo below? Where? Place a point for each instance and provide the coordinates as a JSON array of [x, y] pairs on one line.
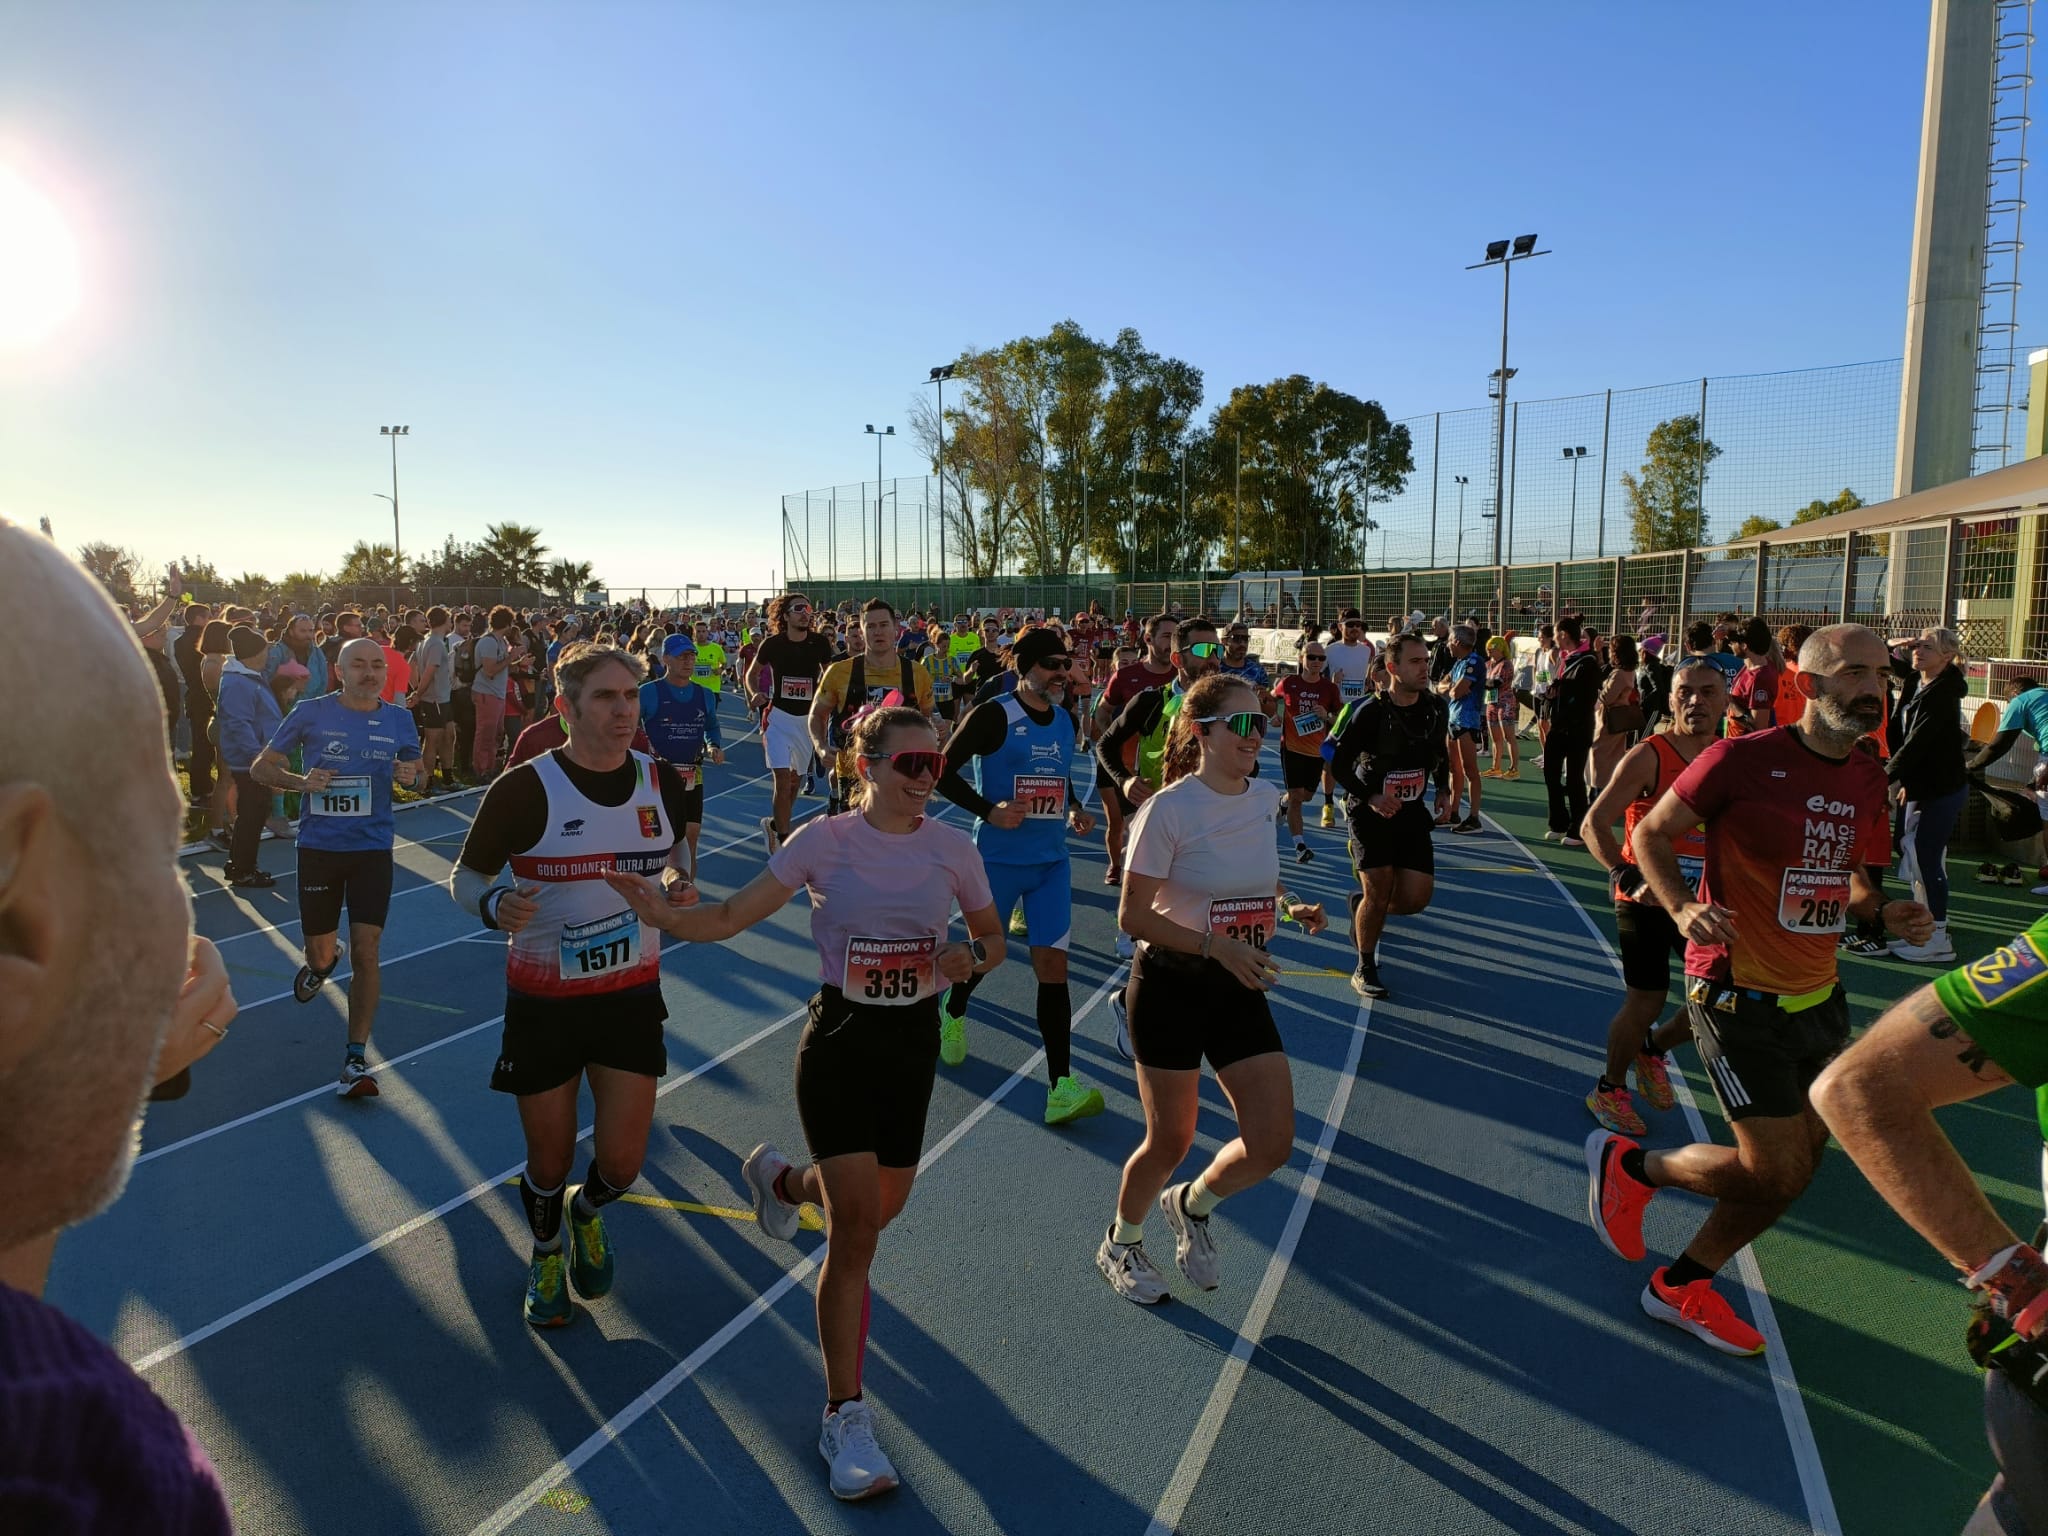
[[979, 951]]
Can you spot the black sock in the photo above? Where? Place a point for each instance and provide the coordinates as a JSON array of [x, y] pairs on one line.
[[1650, 1044], [1632, 1164], [327, 970], [1056, 1028], [1685, 1269], [543, 1213], [834, 1404], [1607, 1084], [958, 994], [597, 1193]]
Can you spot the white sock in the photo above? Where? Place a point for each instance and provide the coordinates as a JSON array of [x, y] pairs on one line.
[[1198, 1200], [1124, 1233]]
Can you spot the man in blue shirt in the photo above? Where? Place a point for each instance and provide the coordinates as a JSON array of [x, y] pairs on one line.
[[1465, 686], [680, 716], [357, 745]]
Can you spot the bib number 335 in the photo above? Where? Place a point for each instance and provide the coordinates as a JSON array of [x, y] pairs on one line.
[[890, 973]]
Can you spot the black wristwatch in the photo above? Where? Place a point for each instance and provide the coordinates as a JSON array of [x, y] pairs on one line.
[[979, 951]]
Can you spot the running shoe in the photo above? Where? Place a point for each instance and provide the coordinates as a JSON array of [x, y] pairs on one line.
[[1568, 841], [1123, 1025], [1702, 1312], [307, 984], [2039, 890], [810, 786], [1938, 950], [1017, 925], [778, 1218], [252, 880], [547, 1294], [591, 1262], [1329, 814], [1469, 824], [1068, 1100], [2010, 875], [768, 835], [1112, 877], [1987, 874], [1365, 981], [847, 1442], [1514, 772], [1126, 946], [1615, 1201], [1131, 1272], [1653, 1081], [1616, 1111], [218, 838], [355, 1081], [1856, 944], [1303, 854], [952, 1031], [1489, 773], [1193, 1248]]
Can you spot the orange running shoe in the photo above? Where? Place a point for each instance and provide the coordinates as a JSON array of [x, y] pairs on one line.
[[1653, 1079], [1615, 1201], [1702, 1312], [1615, 1110]]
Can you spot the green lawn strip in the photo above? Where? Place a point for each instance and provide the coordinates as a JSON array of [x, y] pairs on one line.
[[1871, 1318]]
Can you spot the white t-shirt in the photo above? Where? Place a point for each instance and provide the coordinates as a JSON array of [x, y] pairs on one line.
[[1206, 846], [1348, 663]]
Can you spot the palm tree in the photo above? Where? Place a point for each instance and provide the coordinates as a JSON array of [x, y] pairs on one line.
[[371, 565], [115, 567], [566, 578], [515, 551], [301, 590]]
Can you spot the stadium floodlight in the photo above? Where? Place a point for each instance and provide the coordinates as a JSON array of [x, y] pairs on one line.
[[878, 436], [1496, 250], [394, 433], [1503, 254], [943, 371], [1524, 245]]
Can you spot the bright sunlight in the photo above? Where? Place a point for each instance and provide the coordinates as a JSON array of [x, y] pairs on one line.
[[39, 281]]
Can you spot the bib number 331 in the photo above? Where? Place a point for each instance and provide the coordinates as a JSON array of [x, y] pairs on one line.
[[890, 973], [1814, 901], [1247, 919]]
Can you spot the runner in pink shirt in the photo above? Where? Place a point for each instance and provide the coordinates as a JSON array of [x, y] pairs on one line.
[[883, 885]]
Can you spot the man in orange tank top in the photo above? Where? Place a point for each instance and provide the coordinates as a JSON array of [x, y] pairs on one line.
[[1647, 936]]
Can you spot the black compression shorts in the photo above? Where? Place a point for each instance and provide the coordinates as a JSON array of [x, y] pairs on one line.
[[548, 1041], [328, 881], [1399, 841], [432, 717], [1301, 770], [864, 1078], [1182, 1008], [1760, 1058], [1649, 938]]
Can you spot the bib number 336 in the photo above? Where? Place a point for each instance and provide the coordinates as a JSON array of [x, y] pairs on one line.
[[1247, 919], [890, 973]]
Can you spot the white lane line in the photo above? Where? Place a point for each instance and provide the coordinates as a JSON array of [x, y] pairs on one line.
[[695, 1361], [1180, 1487], [203, 846], [384, 1240], [439, 885], [1813, 1478], [341, 976]]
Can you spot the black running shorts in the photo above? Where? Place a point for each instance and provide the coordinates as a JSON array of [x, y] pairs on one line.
[[328, 881], [693, 804], [1301, 770], [1649, 938], [864, 1078], [548, 1041], [1182, 1009], [431, 717], [1399, 841], [1761, 1058]]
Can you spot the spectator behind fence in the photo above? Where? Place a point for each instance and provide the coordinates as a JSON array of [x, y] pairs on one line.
[[90, 1012]]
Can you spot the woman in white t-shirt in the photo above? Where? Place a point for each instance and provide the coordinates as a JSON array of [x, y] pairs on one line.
[[1200, 893], [883, 882]]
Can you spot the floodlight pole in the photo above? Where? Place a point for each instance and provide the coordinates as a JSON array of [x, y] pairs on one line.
[[1509, 254]]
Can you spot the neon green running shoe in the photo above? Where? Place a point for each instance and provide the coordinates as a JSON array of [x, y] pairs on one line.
[[1017, 924], [591, 1263], [547, 1296], [952, 1031], [1068, 1100]]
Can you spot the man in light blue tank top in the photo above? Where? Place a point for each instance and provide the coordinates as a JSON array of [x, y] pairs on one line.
[[1022, 746]]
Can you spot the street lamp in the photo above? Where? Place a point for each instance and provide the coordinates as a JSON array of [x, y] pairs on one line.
[[1463, 481], [394, 433], [1571, 548], [878, 436], [939, 376], [1503, 254]]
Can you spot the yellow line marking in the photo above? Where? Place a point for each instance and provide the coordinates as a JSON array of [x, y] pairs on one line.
[[809, 1217], [1322, 971], [413, 1002]]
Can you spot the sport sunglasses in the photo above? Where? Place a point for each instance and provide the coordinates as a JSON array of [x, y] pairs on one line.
[[917, 763], [1248, 722], [1204, 649]]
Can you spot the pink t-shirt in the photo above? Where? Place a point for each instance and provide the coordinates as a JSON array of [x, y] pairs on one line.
[[873, 890]]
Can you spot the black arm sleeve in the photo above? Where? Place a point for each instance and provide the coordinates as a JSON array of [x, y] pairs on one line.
[[1361, 728], [1991, 751], [513, 817], [976, 736], [1138, 717]]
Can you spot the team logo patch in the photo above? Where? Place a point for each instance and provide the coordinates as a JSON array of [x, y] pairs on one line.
[[2005, 971], [573, 827], [650, 822]]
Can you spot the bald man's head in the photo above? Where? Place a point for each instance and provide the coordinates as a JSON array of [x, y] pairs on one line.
[[95, 925], [360, 667], [1842, 671]]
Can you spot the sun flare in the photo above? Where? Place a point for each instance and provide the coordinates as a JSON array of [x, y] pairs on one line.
[[39, 277]]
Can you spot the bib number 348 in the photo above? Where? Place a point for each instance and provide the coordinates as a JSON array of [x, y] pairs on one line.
[[890, 973], [1814, 901], [1247, 919]]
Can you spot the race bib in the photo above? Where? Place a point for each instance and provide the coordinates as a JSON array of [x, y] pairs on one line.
[[1352, 688], [607, 944], [1307, 725], [1248, 919], [1692, 872], [1405, 784], [349, 796], [1044, 796], [796, 689], [687, 772], [1814, 901], [942, 689], [890, 973], [704, 674]]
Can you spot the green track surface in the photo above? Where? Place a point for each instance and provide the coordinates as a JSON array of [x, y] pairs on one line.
[[1871, 1315]]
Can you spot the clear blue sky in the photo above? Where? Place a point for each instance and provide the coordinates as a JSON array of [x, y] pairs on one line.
[[632, 271]]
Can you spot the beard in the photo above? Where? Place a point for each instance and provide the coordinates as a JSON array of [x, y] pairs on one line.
[[1848, 719]]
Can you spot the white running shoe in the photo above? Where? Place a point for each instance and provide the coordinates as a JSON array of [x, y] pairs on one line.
[[1193, 1248], [847, 1442], [1126, 946], [1122, 1015], [1939, 949], [768, 835], [778, 1218], [1131, 1272], [356, 1080]]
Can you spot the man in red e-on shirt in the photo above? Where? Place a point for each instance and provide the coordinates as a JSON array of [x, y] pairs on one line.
[[1154, 669], [1793, 817]]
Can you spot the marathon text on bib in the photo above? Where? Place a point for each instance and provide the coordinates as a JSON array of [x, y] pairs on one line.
[[345, 796], [1405, 784], [1044, 796], [1248, 919], [890, 973], [796, 689], [606, 944], [1814, 901]]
